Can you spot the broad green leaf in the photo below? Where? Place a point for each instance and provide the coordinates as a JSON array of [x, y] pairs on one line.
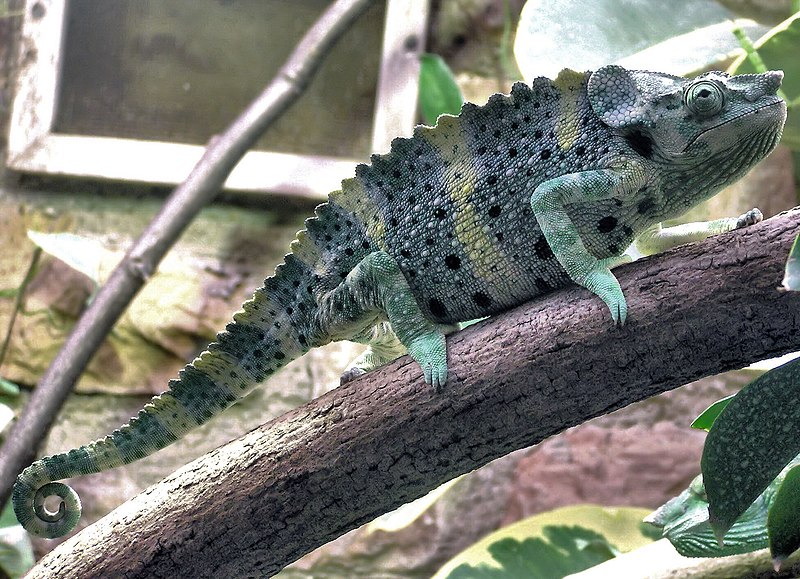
[[438, 92], [679, 37], [791, 278], [779, 49], [563, 551], [753, 439], [710, 414], [620, 527], [783, 522]]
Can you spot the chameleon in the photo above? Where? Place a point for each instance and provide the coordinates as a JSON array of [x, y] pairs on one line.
[[683, 520], [534, 190]]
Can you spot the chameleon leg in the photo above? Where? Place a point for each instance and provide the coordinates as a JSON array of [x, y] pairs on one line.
[[549, 202], [383, 346], [375, 291], [657, 238]]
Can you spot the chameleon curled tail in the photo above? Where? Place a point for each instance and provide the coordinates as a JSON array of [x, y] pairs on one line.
[[264, 337]]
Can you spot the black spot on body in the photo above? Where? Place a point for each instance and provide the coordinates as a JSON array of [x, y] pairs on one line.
[[627, 231], [437, 308], [545, 154], [482, 300], [607, 224], [494, 211], [452, 261], [491, 179], [440, 213], [543, 286]]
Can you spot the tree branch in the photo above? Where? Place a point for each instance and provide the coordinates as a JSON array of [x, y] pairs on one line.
[[200, 187], [253, 506]]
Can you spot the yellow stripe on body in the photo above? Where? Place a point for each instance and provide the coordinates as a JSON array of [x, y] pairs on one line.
[[567, 128], [488, 262]]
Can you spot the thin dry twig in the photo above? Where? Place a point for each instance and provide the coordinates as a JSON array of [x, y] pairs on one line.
[[199, 188]]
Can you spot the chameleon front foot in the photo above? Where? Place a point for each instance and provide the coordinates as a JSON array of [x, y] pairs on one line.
[[429, 350], [604, 284]]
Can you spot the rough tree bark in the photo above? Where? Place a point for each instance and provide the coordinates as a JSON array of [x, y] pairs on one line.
[[251, 507]]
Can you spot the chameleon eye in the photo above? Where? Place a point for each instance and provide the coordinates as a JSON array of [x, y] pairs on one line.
[[704, 98]]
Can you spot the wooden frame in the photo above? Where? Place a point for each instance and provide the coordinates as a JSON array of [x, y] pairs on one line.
[[34, 147]]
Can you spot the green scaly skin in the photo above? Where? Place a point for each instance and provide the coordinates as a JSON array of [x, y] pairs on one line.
[[684, 521], [502, 203]]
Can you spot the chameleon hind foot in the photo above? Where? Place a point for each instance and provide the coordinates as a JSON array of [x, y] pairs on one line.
[[375, 289]]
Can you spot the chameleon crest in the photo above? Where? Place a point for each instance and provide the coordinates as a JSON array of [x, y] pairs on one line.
[[486, 210]]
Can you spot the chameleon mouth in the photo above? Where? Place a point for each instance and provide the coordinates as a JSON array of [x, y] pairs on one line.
[[773, 123]]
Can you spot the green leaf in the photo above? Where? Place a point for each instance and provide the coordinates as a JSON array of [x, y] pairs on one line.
[[753, 439], [710, 414], [16, 551], [550, 537], [8, 388], [778, 49], [565, 550], [684, 522], [783, 522], [438, 92], [791, 278]]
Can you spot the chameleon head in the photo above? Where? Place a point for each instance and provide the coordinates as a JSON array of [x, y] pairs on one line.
[[724, 124]]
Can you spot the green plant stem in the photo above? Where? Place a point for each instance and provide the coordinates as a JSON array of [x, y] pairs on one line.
[[37, 253], [752, 54]]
